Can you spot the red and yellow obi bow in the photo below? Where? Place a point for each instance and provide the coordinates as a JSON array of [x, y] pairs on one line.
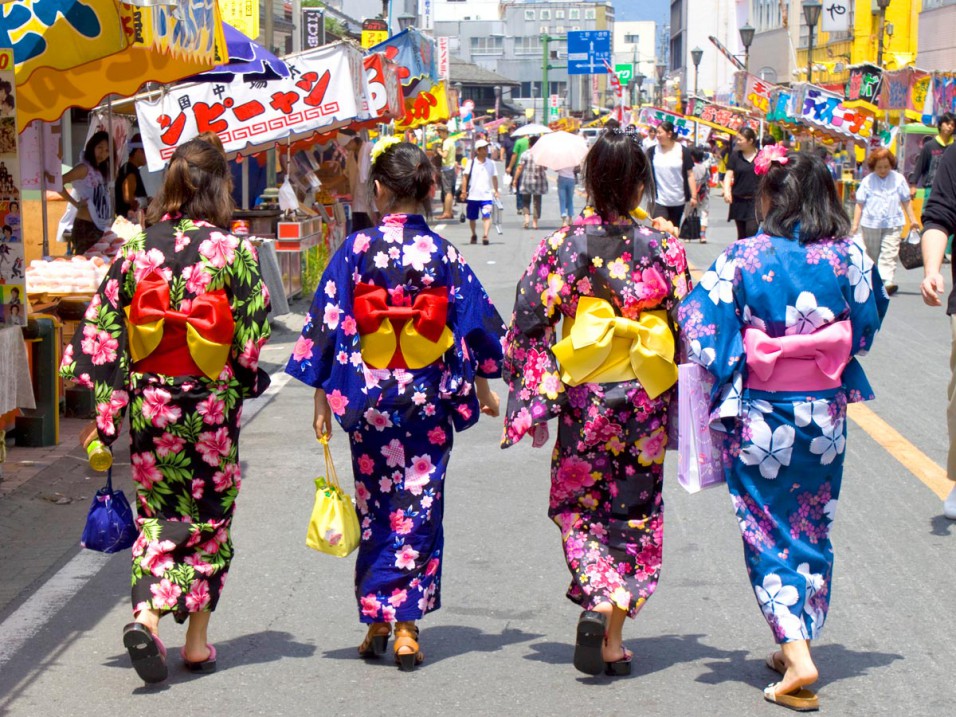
[[601, 347], [203, 336], [422, 335]]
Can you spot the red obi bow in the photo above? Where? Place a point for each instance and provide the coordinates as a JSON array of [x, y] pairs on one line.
[[175, 343], [423, 334], [798, 362]]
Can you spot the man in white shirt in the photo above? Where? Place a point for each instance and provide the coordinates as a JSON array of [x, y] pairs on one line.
[[650, 140], [480, 188]]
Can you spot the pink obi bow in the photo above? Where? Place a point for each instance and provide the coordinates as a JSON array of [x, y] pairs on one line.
[[798, 362]]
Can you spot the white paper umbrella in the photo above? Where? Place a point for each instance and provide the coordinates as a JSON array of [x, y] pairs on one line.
[[559, 150], [530, 129]]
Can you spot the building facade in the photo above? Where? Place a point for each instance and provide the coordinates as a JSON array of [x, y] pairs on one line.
[[692, 23], [635, 44], [509, 42], [937, 41], [780, 48]]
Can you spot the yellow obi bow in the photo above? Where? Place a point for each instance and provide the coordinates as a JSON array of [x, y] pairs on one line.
[[423, 335], [602, 347]]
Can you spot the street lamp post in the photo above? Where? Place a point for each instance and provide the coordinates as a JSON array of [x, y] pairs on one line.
[[661, 69], [696, 55], [639, 84], [883, 5], [405, 21], [746, 39], [811, 13]]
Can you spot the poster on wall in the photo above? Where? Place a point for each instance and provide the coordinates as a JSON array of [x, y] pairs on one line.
[[12, 283]]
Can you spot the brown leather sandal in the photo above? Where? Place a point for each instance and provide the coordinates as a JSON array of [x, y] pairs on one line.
[[376, 640], [408, 655]]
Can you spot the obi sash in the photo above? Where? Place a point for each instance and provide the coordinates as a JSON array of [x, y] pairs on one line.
[[402, 336], [176, 343], [798, 362], [601, 347]]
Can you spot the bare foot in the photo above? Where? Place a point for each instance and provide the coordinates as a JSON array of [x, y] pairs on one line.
[[795, 677]]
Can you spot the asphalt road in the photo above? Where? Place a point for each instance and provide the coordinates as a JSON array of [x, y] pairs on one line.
[[286, 628]]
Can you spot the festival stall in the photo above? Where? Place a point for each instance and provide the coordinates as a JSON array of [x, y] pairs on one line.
[[114, 47]]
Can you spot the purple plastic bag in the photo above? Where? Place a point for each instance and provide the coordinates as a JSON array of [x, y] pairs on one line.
[[699, 463]]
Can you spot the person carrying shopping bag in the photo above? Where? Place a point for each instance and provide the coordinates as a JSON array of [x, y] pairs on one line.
[[173, 336], [777, 320], [399, 345]]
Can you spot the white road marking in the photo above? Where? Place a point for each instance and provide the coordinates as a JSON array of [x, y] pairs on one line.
[[28, 619]]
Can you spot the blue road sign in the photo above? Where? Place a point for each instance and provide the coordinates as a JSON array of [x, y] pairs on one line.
[[588, 50]]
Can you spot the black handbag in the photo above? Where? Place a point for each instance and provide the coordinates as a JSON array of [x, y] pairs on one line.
[[911, 250], [690, 227]]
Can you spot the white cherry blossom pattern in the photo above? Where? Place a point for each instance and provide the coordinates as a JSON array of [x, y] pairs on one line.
[[860, 273], [704, 356], [719, 281], [770, 450], [831, 444], [776, 599], [730, 404], [813, 608], [806, 316], [807, 412]]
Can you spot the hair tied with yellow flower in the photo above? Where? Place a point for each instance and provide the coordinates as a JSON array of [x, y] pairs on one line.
[[768, 155], [382, 146]]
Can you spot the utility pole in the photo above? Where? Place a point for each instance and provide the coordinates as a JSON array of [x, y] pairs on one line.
[[545, 66]]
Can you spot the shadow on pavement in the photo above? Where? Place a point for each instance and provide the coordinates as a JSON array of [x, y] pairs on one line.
[[253, 649], [444, 641], [835, 663], [941, 525]]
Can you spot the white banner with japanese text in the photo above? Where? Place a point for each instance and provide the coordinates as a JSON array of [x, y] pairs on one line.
[[835, 16], [324, 91]]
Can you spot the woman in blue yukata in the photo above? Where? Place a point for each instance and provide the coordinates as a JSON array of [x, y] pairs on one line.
[[399, 344], [778, 320], [592, 344]]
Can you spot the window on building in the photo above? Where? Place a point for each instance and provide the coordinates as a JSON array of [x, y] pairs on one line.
[[575, 28], [544, 14], [487, 45], [631, 39], [529, 14], [530, 89], [559, 14], [590, 13], [558, 88], [574, 13], [768, 15], [528, 45], [559, 29]]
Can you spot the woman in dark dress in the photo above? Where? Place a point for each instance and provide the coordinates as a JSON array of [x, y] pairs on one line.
[[740, 184], [174, 334]]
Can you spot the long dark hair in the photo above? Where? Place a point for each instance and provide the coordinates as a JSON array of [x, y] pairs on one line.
[[406, 171], [198, 185], [802, 200], [89, 153], [617, 174]]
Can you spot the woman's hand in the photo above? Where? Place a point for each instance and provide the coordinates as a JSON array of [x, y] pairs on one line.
[[488, 399], [728, 197], [662, 225], [322, 415]]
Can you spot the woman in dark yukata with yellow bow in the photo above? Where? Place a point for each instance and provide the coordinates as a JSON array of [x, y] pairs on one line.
[[399, 344], [173, 335]]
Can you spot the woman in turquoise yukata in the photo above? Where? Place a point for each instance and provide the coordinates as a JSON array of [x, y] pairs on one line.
[[399, 344], [778, 320], [607, 374]]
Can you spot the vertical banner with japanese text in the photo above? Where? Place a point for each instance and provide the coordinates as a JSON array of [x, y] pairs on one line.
[[12, 283], [312, 19]]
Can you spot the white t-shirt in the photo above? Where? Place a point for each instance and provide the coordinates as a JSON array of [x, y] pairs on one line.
[[668, 175], [480, 187], [647, 143]]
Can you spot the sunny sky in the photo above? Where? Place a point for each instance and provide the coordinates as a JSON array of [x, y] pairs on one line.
[[657, 10]]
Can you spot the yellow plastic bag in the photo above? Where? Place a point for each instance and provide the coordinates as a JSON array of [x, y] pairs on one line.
[[334, 527]]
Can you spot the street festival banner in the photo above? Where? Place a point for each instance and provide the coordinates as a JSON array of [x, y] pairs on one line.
[[906, 90], [652, 117], [863, 88], [13, 290], [753, 93], [825, 110], [324, 91], [723, 119]]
